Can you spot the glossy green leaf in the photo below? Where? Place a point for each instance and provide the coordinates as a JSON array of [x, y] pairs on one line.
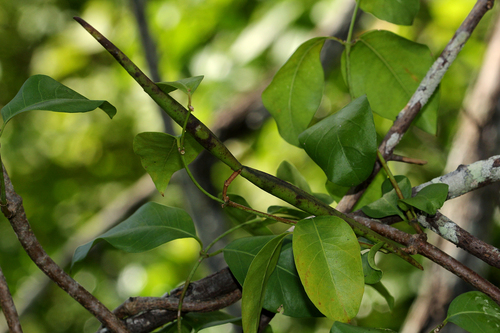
[[344, 144], [288, 172], [388, 204], [187, 85], [372, 273], [339, 327], [238, 216], [382, 290], [388, 69], [394, 11], [284, 289], [150, 226], [201, 320], [172, 328], [41, 92], [475, 312], [296, 91], [254, 287], [429, 199], [327, 257], [160, 156]]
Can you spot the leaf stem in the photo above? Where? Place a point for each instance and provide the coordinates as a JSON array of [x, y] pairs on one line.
[[256, 220], [183, 294], [348, 45]]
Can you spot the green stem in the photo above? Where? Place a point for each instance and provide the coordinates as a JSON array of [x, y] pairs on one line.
[[256, 220], [183, 294], [348, 45]]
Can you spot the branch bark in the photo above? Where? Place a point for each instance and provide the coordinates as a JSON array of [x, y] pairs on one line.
[[420, 97], [8, 307], [17, 218]]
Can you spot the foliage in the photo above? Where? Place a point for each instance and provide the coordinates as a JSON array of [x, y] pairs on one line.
[[320, 270]]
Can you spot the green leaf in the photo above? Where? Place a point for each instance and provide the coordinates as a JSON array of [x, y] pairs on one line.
[[288, 172], [344, 144], [238, 216], [388, 204], [372, 273], [187, 85], [328, 261], [284, 289], [339, 327], [172, 328], [202, 320], [475, 312], [429, 199], [150, 226], [41, 92], [388, 69], [254, 287], [296, 91], [287, 211], [160, 156], [384, 293], [394, 11]]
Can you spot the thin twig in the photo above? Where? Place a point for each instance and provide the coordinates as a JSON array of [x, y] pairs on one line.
[[420, 97], [28, 240], [8, 306], [405, 159]]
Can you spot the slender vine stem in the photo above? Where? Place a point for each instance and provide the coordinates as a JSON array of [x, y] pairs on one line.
[[348, 45]]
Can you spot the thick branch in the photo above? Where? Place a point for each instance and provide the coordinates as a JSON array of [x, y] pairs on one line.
[[436, 255], [8, 307], [28, 240], [420, 97]]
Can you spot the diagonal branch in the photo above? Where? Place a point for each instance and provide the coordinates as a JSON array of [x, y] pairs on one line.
[[420, 97], [17, 218], [8, 307]]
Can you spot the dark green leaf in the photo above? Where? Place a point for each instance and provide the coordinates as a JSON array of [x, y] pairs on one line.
[[296, 91], [254, 287], [287, 211], [475, 312], [41, 92], [388, 69], [384, 293], [288, 172], [339, 327], [388, 204], [284, 289], [150, 226], [327, 257], [172, 328], [429, 199], [238, 216], [344, 144], [394, 11], [323, 197], [187, 85], [160, 156], [372, 273], [202, 320]]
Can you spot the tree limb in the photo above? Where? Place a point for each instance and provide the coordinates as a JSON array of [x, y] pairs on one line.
[[8, 307], [22, 228]]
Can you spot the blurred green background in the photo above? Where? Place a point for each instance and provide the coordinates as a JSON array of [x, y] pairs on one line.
[[70, 167]]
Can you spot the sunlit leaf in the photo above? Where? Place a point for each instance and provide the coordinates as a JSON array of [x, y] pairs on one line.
[[388, 69], [284, 290], [430, 198], [339, 327], [388, 204], [394, 11], [288, 172], [475, 312], [41, 92], [344, 144], [296, 91], [254, 287], [327, 257], [160, 156], [150, 226], [187, 85]]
